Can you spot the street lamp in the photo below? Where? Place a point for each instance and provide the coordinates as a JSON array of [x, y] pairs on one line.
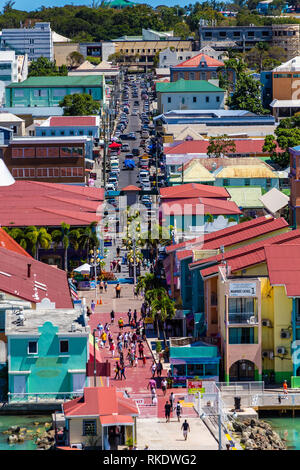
[[95, 261], [95, 370]]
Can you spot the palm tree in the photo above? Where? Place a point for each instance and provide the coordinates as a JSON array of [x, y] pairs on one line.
[[89, 239], [162, 307], [18, 235], [38, 238], [147, 283], [62, 236]]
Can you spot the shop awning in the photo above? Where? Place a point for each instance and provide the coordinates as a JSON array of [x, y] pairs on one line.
[[115, 420]]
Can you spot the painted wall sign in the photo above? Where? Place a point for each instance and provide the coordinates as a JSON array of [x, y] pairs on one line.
[[242, 289]]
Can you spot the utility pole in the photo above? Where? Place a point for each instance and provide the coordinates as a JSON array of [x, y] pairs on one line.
[[134, 260]]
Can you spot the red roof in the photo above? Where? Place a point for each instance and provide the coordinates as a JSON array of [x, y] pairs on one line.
[[193, 190], [233, 235], [112, 420], [6, 241], [243, 146], [50, 281], [195, 61], [100, 401], [72, 121], [284, 267], [249, 255], [48, 204], [199, 206]]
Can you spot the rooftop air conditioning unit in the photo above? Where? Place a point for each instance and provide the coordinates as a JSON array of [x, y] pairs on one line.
[[285, 334], [266, 323], [280, 350], [73, 327]]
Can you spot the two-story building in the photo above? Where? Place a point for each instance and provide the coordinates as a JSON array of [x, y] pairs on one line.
[[49, 91], [199, 67], [189, 94], [49, 159], [286, 88], [69, 126]]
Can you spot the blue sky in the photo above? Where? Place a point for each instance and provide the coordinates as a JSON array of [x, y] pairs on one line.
[[31, 5]]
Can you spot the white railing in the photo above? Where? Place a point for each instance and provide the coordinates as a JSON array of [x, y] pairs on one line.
[[43, 397]]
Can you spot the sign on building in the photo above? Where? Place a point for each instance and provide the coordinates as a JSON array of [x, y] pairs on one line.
[[242, 289]]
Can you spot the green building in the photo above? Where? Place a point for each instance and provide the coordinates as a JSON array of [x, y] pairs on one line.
[[47, 354], [49, 91]]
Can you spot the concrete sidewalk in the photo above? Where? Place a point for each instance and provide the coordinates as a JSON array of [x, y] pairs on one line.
[[159, 435]]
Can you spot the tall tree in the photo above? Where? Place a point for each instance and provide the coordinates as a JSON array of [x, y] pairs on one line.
[[79, 104], [44, 67], [162, 308], [247, 95], [287, 134], [38, 238], [220, 145]]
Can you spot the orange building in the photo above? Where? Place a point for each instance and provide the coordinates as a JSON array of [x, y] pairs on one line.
[[286, 88]]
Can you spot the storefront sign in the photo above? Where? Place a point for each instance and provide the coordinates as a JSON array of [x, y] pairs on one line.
[[242, 289], [195, 386]]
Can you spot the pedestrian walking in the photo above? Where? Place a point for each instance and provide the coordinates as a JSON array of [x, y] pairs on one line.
[[118, 291], [129, 313], [112, 348], [151, 384], [88, 312], [171, 400], [120, 346], [125, 340], [153, 369], [112, 317], [135, 315], [121, 323], [178, 410], [144, 361], [285, 388], [93, 305], [118, 251], [164, 385], [123, 372], [185, 429], [167, 411], [101, 286], [117, 371], [135, 360], [105, 286], [121, 358], [141, 350], [104, 337], [159, 369]]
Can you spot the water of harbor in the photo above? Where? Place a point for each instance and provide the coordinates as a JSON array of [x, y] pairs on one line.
[[288, 429], [23, 422]]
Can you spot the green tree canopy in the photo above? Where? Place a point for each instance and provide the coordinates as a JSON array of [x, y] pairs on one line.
[[247, 95], [220, 145], [43, 67], [79, 104], [287, 135]]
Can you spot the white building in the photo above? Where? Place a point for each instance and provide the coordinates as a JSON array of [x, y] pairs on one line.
[[13, 68], [170, 58], [35, 42]]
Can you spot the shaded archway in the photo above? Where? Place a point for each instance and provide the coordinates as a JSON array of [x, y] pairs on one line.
[[242, 370]]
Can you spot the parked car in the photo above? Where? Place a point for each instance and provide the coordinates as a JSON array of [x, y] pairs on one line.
[[125, 148], [135, 152]]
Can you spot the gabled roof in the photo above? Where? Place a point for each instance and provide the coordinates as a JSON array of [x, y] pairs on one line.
[[246, 256], [284, 267], [131, 188], [48, 204], [244, 171], [233, 235], [199, 206], [100, 401], [7, 242], [45, 280], [192, 190], [201, 58], [274, 200], [193, 172], [185, 86]]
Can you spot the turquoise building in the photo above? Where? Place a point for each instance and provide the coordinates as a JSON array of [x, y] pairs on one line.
[[47, 354], [197, 359], [49, 91]]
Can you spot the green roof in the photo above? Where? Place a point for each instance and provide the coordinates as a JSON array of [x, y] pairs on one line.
[[119, 3], [63, 81], [182, 86], [246, 197]]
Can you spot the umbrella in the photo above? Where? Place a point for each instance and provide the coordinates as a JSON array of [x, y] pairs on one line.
[[84, 268], [114, 145]]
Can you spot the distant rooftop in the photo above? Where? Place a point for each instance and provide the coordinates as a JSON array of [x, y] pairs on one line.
[[183, 86], [292, 65], [71, 81]]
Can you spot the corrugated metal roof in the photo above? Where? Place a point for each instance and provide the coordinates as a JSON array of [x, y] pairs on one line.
[[200, 206], [192, 190], [249, 255], [186, 86], [15, 281], [6, 241], [65, 81], [284, 267], [70, 121], [243, 146], [244, 171]]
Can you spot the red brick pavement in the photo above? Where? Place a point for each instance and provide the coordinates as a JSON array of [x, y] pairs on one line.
[[137, 378]]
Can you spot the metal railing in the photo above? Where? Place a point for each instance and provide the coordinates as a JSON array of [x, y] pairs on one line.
[[238, 388], [42, 397], [245, 318]]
